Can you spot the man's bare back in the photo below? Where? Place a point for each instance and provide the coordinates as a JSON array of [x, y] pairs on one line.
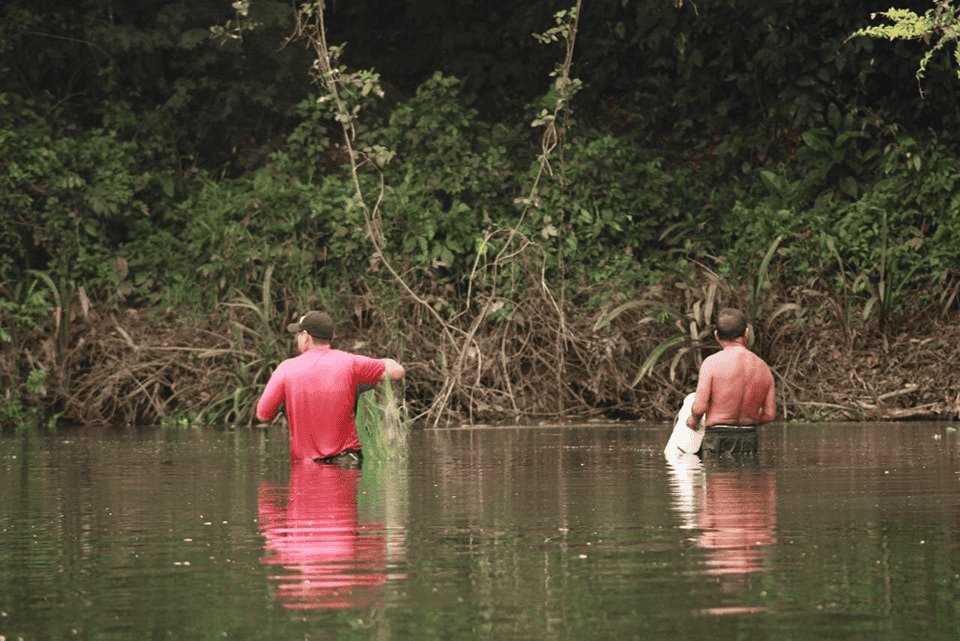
[[735, 387]]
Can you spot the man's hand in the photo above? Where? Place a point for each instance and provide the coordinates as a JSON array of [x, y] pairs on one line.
[[393, 370]]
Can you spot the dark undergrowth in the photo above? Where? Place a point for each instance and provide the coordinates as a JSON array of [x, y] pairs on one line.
[[632, 361]]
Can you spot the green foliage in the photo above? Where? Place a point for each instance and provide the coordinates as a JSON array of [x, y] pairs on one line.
[[152, 73], [939, 24], [835, 156], [36, 382], [258, 347], [885, 244], [23, 314], [603, 215], [309, 142], [689, 328], [451, 178], [21, 413], [563, 29], [240, 24], [75, 203], [235, 230], [146, 164]]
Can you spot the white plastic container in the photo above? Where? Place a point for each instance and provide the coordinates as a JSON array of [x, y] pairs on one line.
[[684, 439]]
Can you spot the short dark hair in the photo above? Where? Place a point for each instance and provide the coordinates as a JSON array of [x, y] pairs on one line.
[[731, 324]]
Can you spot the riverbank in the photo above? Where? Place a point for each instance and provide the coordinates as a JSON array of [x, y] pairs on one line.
[[140, 367]]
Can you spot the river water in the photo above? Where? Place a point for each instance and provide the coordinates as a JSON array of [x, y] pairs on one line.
[[846, 531]]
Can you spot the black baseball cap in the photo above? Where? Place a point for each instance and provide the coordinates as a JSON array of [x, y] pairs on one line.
[[317, 324]]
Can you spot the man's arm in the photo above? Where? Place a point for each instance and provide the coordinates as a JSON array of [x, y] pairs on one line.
[[391, 370], [269, 401], [769, 410], [702, 400]]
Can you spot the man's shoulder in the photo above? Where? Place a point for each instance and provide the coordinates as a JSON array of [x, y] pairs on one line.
[[293, 362], [356, 356], [287, 363], [719, 359], [714, 359], [345, 355]]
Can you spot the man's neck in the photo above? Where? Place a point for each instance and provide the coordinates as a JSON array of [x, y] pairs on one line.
[[314, 346], [737, 342]]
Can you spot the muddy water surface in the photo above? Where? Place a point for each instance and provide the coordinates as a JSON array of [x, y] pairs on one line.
[[844, 531]]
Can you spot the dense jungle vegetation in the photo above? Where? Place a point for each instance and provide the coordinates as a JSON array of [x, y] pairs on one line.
[[535, 206]]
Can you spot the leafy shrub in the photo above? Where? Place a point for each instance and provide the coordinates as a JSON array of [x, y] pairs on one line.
[[603, 210]]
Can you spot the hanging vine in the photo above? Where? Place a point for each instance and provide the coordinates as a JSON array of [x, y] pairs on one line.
[[461, 349]]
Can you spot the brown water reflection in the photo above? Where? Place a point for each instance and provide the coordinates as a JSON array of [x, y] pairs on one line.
[[324, 556], [537, 532], [734, 514]]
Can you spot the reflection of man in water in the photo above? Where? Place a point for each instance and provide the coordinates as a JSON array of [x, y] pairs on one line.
[[735, 516], [315, 537], [735, 385], [737, 521]]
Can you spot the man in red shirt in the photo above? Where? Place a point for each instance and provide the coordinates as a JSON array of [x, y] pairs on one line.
[[319, 389], [735, 385]]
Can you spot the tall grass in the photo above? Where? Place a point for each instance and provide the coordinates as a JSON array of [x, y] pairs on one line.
[[382, 424]]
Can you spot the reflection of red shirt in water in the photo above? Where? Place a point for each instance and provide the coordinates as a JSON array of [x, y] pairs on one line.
[[316, 538], [318, 389]]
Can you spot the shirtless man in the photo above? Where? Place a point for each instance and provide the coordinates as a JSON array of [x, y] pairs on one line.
[[735, 385]]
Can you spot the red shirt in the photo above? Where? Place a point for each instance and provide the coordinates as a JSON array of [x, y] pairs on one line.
[[318, 389]]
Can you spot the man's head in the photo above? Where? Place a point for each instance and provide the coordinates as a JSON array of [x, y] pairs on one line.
[[731, 324], [319, 325]]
